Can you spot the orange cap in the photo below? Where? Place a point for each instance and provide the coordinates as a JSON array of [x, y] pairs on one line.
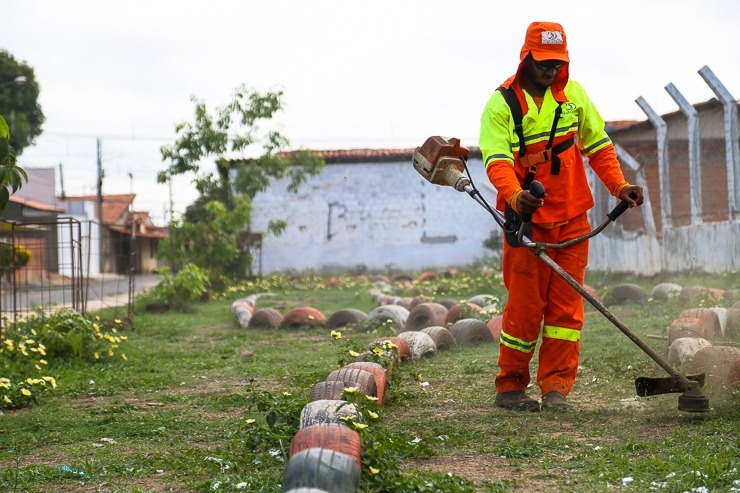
[[546, 41]]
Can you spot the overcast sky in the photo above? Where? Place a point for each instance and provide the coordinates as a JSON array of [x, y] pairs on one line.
[[386, 73]]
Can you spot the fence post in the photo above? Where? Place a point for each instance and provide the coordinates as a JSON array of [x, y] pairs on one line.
[[665, 179]]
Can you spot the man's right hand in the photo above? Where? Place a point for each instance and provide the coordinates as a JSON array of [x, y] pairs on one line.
[[526, 203]]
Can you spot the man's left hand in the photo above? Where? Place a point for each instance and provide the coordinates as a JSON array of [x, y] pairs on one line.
[[632, 194]]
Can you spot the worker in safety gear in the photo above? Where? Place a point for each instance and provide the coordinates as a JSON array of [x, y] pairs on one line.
[[559, 124]]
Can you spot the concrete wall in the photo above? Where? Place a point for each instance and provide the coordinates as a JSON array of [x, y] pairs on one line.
[[374, 215]]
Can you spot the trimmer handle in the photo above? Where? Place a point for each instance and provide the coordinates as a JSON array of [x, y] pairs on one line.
[[619, 209], [538, 190]]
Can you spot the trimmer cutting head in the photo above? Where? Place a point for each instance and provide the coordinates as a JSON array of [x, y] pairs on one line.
[[691, 399]]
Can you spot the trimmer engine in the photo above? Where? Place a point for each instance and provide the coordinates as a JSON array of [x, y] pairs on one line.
[[441, 161]]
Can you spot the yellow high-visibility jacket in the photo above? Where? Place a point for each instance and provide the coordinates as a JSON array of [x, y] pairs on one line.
[[568, 193]]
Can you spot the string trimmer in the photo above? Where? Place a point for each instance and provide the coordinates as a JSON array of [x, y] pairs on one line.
[[443, 161]]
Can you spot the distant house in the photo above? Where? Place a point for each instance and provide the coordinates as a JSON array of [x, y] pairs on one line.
[[124, 231], [32, 225]]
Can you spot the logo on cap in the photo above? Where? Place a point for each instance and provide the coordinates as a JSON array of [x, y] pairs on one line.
[[552, 38]]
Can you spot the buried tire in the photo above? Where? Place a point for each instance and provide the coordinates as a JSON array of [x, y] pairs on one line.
[[322, 468], [378, 372], [426, 315], [266, 318], [334, 437], [442, 337], [471, 332], [326, 411], [356, 377], [343, 318]]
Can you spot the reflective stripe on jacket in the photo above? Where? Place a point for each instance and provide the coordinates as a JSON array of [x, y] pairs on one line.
[[568, 193]]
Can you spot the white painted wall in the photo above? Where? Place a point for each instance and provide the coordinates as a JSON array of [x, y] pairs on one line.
[[374, 215]]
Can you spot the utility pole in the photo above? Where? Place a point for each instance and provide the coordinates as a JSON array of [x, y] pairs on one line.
[[101, 174], [61, 181]]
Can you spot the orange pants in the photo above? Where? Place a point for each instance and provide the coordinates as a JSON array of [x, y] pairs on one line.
[[540, 300]]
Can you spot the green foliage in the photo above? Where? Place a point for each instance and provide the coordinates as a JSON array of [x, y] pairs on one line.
[[181, 290], [213, 244], [27, 346], [233, 129], [12, 176], [19, 94]]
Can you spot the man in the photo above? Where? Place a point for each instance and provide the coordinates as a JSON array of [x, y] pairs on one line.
[[559, 123]]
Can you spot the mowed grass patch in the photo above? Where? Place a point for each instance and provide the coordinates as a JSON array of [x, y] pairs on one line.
[[181, 414]]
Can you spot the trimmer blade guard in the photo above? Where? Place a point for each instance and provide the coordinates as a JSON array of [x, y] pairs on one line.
[[646, 386]]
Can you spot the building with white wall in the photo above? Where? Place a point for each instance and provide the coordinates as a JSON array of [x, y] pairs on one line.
[[369, 210]]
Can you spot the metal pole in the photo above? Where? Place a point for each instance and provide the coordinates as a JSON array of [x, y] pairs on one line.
[[692, 122], [665, 179], [732, 148]]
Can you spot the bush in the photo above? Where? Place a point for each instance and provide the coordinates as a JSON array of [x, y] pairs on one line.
[[178, 292]]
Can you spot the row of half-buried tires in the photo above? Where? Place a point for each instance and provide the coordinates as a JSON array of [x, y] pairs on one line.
[[325, 453], [426, 314]]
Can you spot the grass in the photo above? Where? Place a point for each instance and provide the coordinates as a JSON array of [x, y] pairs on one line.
[[174, 416]]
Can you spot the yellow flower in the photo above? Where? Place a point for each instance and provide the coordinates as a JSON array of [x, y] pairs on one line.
[[26, 392], [52, 381], [350, 390], [374, 471], [117, 321], [360, 426], [372, 414], [354, 354], [251, 421], [124, 357], [110, 352], [371, 398], [30, 342], [7, 400], [43, 362], [336, 334], [287, 394], [96, 355]]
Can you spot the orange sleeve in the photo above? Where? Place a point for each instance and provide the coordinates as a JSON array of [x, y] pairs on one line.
[[605, 164], [502, 176]]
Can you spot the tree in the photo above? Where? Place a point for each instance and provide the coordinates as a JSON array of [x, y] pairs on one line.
[[12, 176], [227, 137], [19, 94]]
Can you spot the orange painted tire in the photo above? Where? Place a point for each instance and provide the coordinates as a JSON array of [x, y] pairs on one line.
[[324, 469], [303, 317], [442, 337], [460, 311], [266, 318], [494, 325], [356, 377], [426, 315], [346, 317], [471, 332], [329, 436], [710, 325], [404, 351], [326, 411], [378, 372]]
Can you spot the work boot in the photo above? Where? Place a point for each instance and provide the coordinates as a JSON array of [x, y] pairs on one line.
[[516, 399], [554, 401]]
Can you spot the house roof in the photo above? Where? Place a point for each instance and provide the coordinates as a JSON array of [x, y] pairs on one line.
[[35, 204], [115, 206]]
